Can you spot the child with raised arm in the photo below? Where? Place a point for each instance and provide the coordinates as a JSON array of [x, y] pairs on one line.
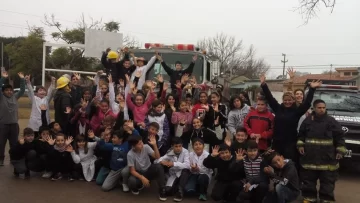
[[177, 164], [141, 168], [39, 97]]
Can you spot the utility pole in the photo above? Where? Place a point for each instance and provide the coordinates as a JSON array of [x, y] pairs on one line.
[[284, 62], [331, 66]]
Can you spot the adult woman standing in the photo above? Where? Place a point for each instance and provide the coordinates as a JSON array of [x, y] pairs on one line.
[[286, 120]]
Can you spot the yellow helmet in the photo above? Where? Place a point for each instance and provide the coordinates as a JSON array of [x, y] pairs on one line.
[[62, 82], [112, 55]]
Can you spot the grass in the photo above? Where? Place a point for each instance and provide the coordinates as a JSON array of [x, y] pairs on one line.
[[25, 108]]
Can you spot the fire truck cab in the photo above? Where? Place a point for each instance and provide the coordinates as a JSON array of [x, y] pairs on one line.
[[205, 68]]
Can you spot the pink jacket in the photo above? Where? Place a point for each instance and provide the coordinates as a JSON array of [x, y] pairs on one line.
[[96, 120], [178, 116], [140, 112]]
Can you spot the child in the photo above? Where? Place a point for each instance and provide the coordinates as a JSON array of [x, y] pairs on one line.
[[60, 158], [228, 184], [285, 177], [140, 108], [177, 162], [104, 157], [256, 184], [203, 110], [156, 115], [39, 97], [80, 119], [102, 111], [259, 124], [83, 155], [210, 137], [240, 142], [200, 175], [219, 110], [23, 154], [237, 114], [182, 119], [118, 163], [141, 169]]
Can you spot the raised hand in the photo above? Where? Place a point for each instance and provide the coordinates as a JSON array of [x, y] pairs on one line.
[[91, 134], [160, 78], [68, 110], [4, 74], [53, 79], [262, 79], [240, 154], [159, 58], [50, 140], [315, 84], [165, 86], [127, 77], [100, 72], [77, 75], [27, 78], [131, 85], [130, 124], [290, 71], [69, 140], [122, 104], [110, 79], [195, 57], [43, 107], [21, 75], [21, 141], [205, 106], [152, 140], [215, 151]]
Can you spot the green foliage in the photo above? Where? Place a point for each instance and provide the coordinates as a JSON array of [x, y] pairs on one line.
[[112, 26]]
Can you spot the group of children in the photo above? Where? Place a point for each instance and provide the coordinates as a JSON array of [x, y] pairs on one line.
[[181, 140]]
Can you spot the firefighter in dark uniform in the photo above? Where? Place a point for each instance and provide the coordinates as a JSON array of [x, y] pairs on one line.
[[321, 144]]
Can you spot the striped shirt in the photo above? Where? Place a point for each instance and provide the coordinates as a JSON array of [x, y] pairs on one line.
[[252, 168]]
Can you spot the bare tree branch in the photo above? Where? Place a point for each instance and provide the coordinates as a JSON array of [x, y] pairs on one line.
[[309, 8]]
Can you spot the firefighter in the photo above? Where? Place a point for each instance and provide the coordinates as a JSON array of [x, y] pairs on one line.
[[321, 144]]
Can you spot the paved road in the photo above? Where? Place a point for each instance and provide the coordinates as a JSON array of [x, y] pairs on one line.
[[37, 190]]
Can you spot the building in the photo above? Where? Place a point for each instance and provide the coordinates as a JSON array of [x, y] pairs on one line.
[[341, 76]]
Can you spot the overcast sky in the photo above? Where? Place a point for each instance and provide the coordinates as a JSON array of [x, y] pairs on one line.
[[270, 25]]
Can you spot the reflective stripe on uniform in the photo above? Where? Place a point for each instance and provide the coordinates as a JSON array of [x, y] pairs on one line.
[[319, 141], [300, 143], [341, 149], [321, 167]]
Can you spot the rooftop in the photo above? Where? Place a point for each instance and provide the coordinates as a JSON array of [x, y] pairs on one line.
[[333, 76]]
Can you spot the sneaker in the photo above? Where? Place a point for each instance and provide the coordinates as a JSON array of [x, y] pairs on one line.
[[202, 197], [142, 187], [47, 174], [70, 179], [162, 195], [56, 177], [135, 192], [1, 162], [22, 176], [125, 188], [178, 196]]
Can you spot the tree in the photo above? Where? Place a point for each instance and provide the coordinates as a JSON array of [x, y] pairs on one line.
[[233, 57], [309, 8], [6, 41], [26, 54]]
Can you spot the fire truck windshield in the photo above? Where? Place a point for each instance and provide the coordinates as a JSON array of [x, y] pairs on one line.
[[170, 59]]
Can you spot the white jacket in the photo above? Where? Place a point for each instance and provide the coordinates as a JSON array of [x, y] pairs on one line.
[[180, 162], [87, 160], [35, 116], [198, 160], [236, 118]]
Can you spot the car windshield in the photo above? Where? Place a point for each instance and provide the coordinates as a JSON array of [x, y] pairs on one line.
[[170, 59], [339, 101]]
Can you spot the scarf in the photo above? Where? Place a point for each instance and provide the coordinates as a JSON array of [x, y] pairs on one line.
[[60, 149], [153, 113]]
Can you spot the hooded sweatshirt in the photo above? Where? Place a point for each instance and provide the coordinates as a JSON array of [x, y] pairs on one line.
[[9, 105], [139, 112], [161, 119], [236, 118]]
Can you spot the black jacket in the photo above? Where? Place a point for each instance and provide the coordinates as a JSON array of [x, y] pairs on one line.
[[62, 99], [208, 136], [19, 151], [176, 75], [117, 70], [223, 169], [287, 176], [322, 138], [286, 119]]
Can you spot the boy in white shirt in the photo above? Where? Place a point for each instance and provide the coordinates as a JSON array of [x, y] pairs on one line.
[[200, 177], [176, 162]]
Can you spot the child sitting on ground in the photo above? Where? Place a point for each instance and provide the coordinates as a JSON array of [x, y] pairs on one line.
[[228, 184], [177, 163], [200, 175], [256, 182], [285, 178], [118, 163], [141, 169]]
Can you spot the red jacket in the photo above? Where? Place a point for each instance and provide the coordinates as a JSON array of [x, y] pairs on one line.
[[260, 123]]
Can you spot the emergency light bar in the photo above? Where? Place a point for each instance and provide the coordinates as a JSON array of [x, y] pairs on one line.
[[183, 47], [339, 87]]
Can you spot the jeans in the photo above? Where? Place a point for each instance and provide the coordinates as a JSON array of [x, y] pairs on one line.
[[103, 173], [283, 194], [154, 172], [226, 190], [256, 195], [197, 183], [29, 162], [179, 183], [8, 132], [114, 177]]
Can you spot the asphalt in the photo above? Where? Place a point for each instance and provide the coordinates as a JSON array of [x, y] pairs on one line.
[[38, 190]]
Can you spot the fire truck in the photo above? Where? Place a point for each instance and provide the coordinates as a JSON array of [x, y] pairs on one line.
[[205, 70]]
